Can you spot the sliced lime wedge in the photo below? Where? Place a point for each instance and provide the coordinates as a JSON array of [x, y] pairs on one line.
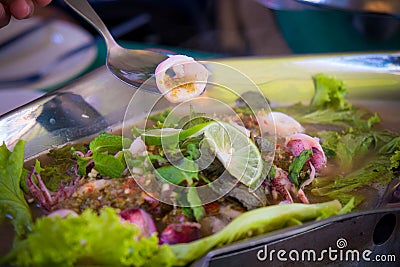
[[237, 152], [160, 136]]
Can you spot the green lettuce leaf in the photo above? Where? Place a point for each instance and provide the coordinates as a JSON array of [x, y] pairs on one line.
[[88, 239], [329, 106], [329, 93], [378, 170], [255, 222], [12, 201]]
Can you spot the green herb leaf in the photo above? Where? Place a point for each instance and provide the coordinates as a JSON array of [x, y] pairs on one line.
[[297, 165], [195, 203], [171, 174], [395, 160], [193, 151], [82, 162], [193, 119], [161, 117], [109, 143], [187, 171], [108, 165], [271, 173], [12, 201]]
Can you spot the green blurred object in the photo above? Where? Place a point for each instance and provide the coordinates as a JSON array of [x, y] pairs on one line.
[[326, 31]]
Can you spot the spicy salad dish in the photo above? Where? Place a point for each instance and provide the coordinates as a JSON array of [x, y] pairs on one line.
[[191, 174]]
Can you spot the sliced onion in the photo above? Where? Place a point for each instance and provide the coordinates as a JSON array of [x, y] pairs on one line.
[[140, 218], [176, 233]]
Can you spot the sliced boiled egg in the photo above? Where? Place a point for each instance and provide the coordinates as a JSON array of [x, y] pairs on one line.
[[180, 78]]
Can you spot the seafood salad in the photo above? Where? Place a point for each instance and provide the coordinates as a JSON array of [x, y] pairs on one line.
[[138, 201]]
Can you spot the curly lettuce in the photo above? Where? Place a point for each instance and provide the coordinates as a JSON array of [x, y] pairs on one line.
[[88, 239], [12, 201], [91, 239], [330, 107], [329, 93]]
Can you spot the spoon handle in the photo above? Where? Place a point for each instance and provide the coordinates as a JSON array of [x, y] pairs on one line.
[[84, 9]]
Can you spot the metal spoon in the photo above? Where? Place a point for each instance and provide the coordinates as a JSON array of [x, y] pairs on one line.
[[133, 67]]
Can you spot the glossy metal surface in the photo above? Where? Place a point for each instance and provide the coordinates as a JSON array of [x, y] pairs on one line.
[[131, 66], [97, 102]]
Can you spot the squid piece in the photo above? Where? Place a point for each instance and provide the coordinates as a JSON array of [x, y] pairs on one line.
[[138, 147], [278, 123], [282, 185], [180, 78], [296, 143], [45, 198]]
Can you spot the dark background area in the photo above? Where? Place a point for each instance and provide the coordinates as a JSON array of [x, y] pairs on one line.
[[245, 27]]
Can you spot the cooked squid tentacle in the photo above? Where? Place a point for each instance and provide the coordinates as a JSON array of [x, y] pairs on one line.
[[46, 199], [39, 191], [302, 196], [282, 185]]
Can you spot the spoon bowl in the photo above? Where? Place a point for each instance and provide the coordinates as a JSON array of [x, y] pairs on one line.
[[131, 66]]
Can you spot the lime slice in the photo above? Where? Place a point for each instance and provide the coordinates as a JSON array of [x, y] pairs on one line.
[[237, 152], [160, 136]]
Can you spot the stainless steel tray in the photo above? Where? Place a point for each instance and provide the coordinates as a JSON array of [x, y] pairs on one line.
[[98, 101]]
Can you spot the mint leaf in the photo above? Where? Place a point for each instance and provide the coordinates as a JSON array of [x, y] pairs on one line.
[[108, 165], [109, 143], [171, 174], [12, 201], [82, 162], [187, 170]]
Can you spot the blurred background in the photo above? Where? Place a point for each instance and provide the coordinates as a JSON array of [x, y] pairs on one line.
[[56, 46], [250, 27]]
